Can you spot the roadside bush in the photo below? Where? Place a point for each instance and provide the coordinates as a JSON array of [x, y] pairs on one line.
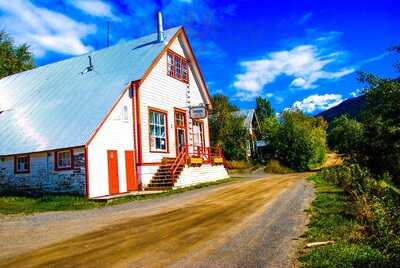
[[346, 137], [237, 164], [375, 204], [300, 141], [275, 167]]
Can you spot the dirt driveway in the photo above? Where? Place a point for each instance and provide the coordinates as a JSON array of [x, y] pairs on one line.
[[249, 223]]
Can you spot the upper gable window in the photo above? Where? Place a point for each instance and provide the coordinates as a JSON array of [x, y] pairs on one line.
[[177, 67]]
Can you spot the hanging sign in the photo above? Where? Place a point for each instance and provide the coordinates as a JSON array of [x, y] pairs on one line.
[[198, 112]]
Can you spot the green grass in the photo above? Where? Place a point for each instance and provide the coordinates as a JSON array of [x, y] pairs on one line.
[[29, 205], [330, 220]]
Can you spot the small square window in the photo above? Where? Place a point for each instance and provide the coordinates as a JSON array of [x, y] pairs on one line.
[[22, 164], [63, 159]]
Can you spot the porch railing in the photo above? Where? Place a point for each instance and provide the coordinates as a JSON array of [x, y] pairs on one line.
[[180, 160]]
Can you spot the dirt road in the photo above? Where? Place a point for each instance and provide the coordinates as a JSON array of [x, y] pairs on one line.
[[250, 223]]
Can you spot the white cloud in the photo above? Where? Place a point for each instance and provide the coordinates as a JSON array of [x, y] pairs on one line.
[[95, 8], [304, 63], [279, 99], [317, 102], [43, 29]]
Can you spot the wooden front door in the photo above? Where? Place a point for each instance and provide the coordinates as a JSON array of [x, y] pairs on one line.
[[113, 178], [130, 168], [180, 131]]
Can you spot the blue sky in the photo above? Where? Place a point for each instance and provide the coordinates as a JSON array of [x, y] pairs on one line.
[[296, 53]]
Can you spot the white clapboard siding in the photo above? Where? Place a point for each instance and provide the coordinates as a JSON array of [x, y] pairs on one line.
[[166, 93], [205, 173], [115, 134]]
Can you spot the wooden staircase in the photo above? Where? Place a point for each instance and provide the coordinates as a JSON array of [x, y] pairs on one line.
[[163, 180]]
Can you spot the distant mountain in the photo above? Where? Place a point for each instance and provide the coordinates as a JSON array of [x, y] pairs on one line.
[[351, 107]]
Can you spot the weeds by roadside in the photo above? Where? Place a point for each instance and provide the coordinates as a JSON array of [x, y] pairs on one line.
[[29, 205], [358, 212]]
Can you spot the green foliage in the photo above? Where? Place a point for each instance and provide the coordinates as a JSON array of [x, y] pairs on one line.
[[13, 58], [346, 137], [263, 109], [332, 219], [374, 204], [300, 141], [228, 130], [382, 127], [375, 143]]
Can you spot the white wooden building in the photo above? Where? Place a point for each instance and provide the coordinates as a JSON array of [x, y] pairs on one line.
[[107, 122]]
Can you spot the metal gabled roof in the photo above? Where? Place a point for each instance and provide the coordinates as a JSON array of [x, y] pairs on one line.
[[56, 106], [247, 115]]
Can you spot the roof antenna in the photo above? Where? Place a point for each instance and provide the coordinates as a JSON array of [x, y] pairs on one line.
[[108, 34], [90, 67]]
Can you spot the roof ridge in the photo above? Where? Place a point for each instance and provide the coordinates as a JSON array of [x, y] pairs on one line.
[[90, 52]]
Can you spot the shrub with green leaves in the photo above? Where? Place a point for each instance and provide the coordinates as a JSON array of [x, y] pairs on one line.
[[300, 141]]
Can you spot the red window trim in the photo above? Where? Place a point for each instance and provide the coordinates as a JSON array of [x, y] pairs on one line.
[[56, 168], [182, 59], [152, 109], [15, 164]]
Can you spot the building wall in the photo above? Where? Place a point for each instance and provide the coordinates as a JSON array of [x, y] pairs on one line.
[[42, 177], [205, 173], [166, 93], [115, 134]]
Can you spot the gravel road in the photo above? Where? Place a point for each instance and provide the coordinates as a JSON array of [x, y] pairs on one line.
[[248, 223]]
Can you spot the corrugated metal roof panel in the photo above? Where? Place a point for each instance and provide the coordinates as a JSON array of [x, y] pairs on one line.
[[55, 106], [247, 115]]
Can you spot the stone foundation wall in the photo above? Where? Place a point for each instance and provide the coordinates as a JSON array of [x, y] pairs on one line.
[[43, 179]]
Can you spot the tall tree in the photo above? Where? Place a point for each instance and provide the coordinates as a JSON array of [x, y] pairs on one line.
[[227, 129], [263, 108], [13, 58]]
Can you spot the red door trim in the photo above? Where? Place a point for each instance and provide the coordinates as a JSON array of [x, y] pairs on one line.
[[113, 178], [130, 170]]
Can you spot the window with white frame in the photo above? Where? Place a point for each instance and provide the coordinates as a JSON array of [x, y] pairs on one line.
[[22, 164], [198, 133], [125, 114], [64, 159], [158, 131]]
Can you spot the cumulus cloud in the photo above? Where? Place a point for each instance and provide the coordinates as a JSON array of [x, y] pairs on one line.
[[317, 102], [95, 8], [306, 64], [43, 29]]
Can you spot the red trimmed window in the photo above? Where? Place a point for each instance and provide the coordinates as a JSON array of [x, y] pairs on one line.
[[177, 67], [63, 159], [22, 164], [158, 125]]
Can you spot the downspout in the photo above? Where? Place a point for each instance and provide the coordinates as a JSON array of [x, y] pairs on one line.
[[138, 128]]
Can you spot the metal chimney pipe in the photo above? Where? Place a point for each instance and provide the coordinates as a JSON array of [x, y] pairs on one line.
[[161, 36]]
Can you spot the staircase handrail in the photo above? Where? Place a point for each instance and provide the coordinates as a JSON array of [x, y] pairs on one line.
[[178, 161]]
